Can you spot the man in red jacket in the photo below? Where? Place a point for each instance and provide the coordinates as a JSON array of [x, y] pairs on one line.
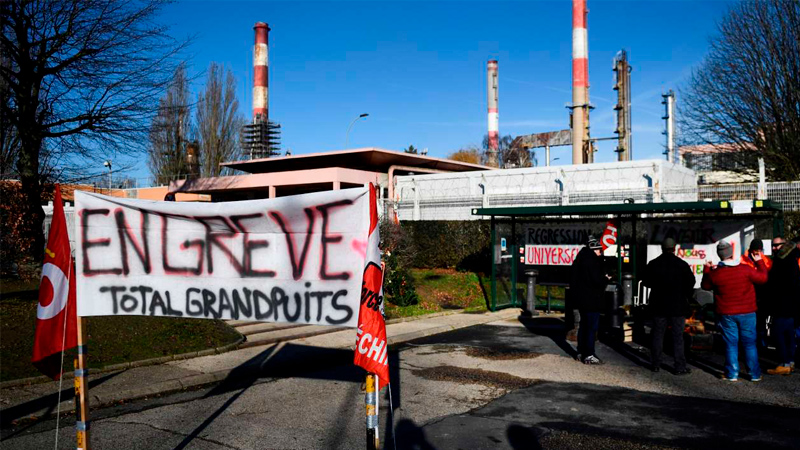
[[735, 304]]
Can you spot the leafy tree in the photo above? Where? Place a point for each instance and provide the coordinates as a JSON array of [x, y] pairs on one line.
[[83, 78], [411, 149], [218, 121], [470, 155], [169, 132], [745, 95]]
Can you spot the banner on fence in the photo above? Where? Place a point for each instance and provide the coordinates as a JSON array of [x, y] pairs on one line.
[[559, 244], [561, 234], [551, 255], [294, 259], [697, 241]]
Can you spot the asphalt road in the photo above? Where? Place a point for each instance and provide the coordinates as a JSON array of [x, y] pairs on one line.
[[501, 385]]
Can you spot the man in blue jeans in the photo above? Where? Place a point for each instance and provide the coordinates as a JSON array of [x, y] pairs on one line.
[[735, 304]]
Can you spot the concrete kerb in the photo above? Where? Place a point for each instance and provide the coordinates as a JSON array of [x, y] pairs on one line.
[[130, 365]]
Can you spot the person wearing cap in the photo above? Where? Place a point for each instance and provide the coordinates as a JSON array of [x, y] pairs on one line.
[[671, 284], [762, 314], [783, 290], [735, 304], [587, 287]]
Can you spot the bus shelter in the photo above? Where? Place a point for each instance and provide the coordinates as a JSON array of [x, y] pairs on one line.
[[537, 243]]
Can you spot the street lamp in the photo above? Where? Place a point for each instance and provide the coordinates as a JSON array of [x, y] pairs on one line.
[[347, 136], [107, 163]]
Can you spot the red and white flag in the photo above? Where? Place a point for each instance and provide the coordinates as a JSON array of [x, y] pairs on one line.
[[56, 320], [609, 235], [371, 351]]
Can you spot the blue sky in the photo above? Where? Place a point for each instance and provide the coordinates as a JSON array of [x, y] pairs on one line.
[[419, 68]]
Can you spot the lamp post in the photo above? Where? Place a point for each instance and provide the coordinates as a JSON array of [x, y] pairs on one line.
[[347, 136], [107, 163]]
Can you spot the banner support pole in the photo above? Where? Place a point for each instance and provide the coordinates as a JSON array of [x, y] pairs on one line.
[[81, 392], [371, 401]]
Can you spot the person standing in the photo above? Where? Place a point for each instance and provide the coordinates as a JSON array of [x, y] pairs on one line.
[[784, 296], [762, 314], [587, 285], [735, 304], [671, 284]]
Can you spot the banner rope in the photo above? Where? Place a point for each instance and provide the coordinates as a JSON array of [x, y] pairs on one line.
[[63, 342]]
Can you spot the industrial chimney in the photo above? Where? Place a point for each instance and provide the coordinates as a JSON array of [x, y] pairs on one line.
[[260, 75], [581, 147], [261, 138], [493, 117]]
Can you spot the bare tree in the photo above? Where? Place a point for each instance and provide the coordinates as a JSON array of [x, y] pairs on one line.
[[746, 94], [218, 121], [170, 132], [9, 138], [508, 155], [84, 78]]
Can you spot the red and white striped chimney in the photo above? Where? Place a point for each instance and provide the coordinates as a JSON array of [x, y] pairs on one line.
[[580, 84], [493, 116], [260, 75]]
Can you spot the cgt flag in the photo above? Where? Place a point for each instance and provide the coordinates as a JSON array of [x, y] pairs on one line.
[[371, 351], [56, 320]]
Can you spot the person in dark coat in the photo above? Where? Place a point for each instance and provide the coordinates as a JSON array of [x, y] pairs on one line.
[[587, 286], [671, 284], [757, 247], [783, 289]]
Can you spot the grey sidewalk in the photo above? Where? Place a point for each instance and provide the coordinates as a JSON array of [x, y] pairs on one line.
[[39, 400]]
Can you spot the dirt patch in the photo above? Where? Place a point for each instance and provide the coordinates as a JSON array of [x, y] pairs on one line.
[[473, 376], [500, 353]]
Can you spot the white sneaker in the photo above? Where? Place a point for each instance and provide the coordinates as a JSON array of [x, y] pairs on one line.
[[593, 360]]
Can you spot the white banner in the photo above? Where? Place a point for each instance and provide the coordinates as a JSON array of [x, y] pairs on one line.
[[697, 241], [294, 259], [551, 255]]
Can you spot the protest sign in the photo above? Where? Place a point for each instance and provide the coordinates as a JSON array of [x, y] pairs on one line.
[[551, 255], [559, 244], [293, 259], [696, 241], [561, 234]]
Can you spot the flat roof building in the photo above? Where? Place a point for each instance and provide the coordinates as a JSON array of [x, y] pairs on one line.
[[299, 174]]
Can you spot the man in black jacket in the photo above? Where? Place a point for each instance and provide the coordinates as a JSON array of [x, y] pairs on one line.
[[671, 284], [783, 289], [587, 286]]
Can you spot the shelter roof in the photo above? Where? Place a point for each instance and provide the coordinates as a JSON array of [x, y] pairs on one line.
[[369, 159], [625, 209]]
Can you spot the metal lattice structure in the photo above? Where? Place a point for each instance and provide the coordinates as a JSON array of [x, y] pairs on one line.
[[261, 139]]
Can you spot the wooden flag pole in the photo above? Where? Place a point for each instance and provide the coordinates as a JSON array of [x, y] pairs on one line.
[[81, 393], [371, 400]]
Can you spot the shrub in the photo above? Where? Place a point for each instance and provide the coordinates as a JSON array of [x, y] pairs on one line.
[[399, 251]]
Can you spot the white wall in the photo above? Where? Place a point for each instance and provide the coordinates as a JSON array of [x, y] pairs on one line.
[[451, 196]]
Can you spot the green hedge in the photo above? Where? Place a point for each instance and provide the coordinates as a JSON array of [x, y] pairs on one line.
[[450, 244]]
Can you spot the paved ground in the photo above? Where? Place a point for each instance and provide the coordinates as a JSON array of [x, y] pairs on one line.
[[499, 384]]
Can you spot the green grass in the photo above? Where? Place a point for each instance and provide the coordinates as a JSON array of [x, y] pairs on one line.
[[110, 340], [442, 290]]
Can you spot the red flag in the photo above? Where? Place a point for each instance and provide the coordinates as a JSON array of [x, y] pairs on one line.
[[371, 351], [609, 235], [56, 309]]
